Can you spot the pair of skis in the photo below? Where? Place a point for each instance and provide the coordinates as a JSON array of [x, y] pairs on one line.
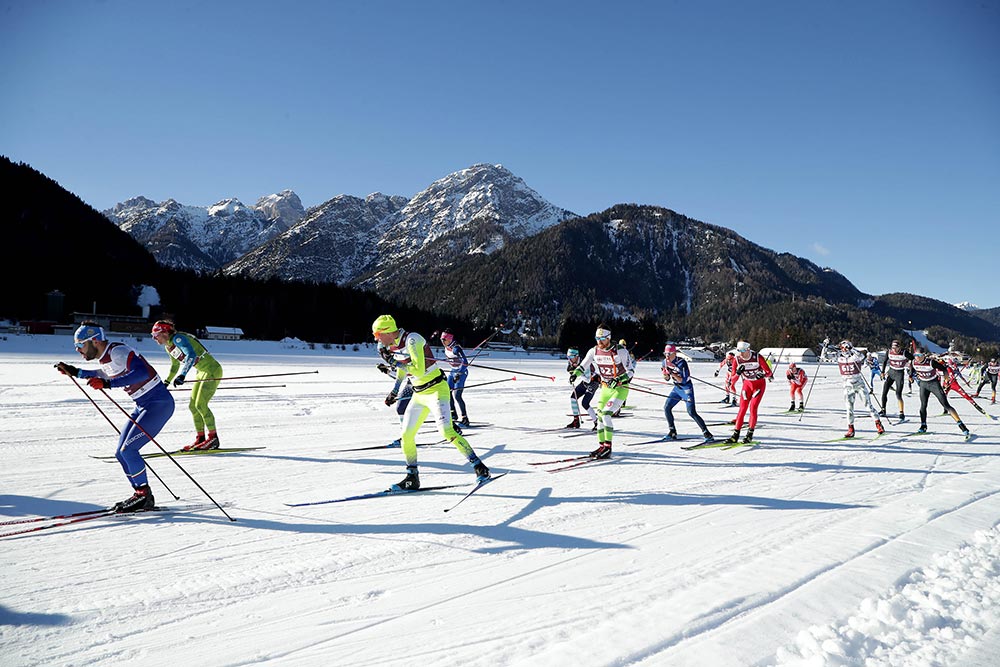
[[191, 452], [405, 492], [61, 520], [572, 462]]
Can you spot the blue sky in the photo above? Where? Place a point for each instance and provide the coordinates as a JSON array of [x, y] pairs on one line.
[[864, 136]]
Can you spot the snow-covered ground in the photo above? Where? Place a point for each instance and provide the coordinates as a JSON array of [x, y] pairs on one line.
[[800, 551]]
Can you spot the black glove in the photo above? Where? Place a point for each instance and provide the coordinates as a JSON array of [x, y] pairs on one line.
[[390, 397], [716, 372], [572, 378], [179, 380], [98, 382], [66, 369], [382, 367]]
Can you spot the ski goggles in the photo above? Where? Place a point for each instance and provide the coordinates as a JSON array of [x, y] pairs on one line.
[[600, 338]]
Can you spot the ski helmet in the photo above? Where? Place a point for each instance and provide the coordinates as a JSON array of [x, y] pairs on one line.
[[742, 346], [669, 348], [845, 345], [572, 352], [791, 366], [384, 324], [87, 331], [602, 334]]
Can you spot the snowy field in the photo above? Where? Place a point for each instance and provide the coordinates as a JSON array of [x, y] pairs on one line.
[[800, 551]]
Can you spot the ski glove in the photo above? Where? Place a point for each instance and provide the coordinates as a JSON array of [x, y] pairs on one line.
[[716, 373], [179, 380], [390, 397], [572, 378], [383, 367], [66, 369], [98, 383]]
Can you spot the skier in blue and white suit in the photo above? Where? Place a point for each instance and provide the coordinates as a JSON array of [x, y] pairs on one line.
[[123, 367], [675, 368], [455, 356]]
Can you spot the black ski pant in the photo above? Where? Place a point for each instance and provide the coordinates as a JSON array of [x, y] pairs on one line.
[[991, 379], [928, 387], [893, 378]]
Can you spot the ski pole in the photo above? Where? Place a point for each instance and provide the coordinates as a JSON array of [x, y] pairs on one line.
[[483, 384], [247, 386], [502, 370], [722, 389], [92, 402], [249, 377], [812, 383], [479, 347], [167, 454]]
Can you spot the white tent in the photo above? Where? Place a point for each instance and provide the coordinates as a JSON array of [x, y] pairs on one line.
[[789, 354]]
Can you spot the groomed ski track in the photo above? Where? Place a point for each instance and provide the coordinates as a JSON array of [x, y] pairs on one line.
[[666, 558]]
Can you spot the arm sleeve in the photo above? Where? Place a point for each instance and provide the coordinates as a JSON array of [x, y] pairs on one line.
[[190, 356]]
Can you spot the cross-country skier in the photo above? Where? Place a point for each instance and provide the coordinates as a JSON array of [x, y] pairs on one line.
[[455, 356], [413, 357], [754, 370], [849, 361], [676, 369], [729, 363], [187, 352], [872, 362], [797, 381], [583, 392], [926, 371], [123, 367], [989, 374], [388, 366], [897, 363], [613, 364]]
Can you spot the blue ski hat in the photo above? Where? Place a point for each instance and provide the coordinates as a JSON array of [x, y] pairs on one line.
[[88, 332], [572, 352]]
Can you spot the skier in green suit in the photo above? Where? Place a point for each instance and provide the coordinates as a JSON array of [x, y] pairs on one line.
[[187, 352]]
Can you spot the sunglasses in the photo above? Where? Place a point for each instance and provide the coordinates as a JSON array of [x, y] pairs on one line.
[[602, 337]]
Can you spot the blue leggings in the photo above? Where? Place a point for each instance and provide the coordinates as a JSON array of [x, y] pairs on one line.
[[152, 415], [456, 381], [675, 397]]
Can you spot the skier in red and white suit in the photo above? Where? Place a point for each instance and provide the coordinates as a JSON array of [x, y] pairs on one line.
[[797, 380], [756, 374], [729, 363], [849, 360]]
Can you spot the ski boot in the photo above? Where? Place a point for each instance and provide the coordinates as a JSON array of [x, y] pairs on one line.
[[409, 483], [881, 413], [878, 427], [140, 501], [199, 438], [672, 434], [791, 408], [594, 427], [748, 438], [902, 417], [708, 436], [602, 452], [850, 431], [210, 442], [464, 421], [734, 438], [575, 423], [482, 472], [802, 407], [725, 400], [922, 429]]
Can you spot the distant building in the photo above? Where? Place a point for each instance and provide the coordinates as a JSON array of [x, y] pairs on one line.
[[788, 355], [223, 333]]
